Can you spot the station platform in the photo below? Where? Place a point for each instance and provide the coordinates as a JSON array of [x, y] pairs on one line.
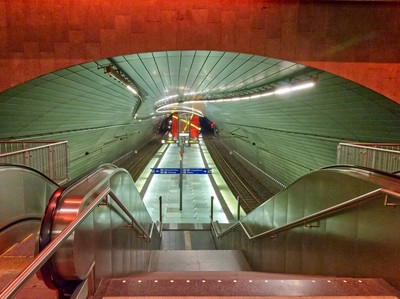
[[197, 189]]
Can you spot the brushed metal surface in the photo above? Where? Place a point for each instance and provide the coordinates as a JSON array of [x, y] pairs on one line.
[[363, 241], [106, 238], [24, 194]]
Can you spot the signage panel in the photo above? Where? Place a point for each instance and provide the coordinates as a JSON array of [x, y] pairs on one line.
[[184, 171]]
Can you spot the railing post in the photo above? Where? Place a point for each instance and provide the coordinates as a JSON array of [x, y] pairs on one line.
[[212, 208], [160, 199], [238, 209]]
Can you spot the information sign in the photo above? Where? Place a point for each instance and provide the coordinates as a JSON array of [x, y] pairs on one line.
[[184, 171]]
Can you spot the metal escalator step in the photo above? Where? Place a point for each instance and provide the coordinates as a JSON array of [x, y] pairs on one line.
[[25, 248]]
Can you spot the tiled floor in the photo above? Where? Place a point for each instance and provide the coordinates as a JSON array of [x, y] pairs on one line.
[[197, 190]]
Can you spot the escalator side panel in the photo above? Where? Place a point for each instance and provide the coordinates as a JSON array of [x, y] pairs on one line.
[[361, 241]]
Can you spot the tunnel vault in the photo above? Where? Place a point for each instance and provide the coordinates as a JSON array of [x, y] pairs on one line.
[[356, 40]]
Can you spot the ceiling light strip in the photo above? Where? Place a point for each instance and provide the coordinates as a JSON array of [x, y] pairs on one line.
[[182, 109], [277, 91]]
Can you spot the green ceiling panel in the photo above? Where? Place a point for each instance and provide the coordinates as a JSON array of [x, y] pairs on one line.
[[293, 133]]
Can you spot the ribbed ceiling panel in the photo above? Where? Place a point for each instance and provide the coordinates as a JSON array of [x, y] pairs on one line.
[[292, 133]]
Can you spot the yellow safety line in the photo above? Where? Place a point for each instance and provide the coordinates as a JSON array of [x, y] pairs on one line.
[[188, 241]]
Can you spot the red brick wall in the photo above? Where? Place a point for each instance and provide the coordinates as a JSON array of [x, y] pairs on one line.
[[357, 40]]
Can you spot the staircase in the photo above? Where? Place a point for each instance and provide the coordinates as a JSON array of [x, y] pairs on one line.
[[214, 273]]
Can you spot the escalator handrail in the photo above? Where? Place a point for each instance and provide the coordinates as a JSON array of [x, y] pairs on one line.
[[338, 166], [377, 171], [310, 218], [44, 234], [48, 275], [49, 180], [48, 216], [48, 252]]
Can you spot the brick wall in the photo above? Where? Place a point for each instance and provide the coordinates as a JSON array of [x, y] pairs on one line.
[[354, 39]]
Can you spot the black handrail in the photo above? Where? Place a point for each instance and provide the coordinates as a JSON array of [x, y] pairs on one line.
[[30, 169], [377, 171], [310, 218], [44, 256], [47, 272]]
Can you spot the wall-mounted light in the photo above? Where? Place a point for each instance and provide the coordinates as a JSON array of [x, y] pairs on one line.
[[119, 75], [132, 90]]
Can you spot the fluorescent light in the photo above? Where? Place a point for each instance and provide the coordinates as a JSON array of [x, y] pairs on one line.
[[121, 77], [190, 94], [267, 94], [303, 86], [283, 90], [170, 97], [277, 91], [131, 89], [177, 107]]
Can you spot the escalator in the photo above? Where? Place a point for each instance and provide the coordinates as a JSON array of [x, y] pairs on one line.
[[337, 221], [115, 238], [24, 194], [334, 232]]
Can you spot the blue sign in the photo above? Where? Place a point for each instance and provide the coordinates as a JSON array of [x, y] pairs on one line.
[[165, 171], [184, 170], [197, 170]]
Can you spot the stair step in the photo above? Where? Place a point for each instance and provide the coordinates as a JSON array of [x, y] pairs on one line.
[[198, 260], [16, 259], [240, 284], [187, 240], [24, 248], [186, 226]]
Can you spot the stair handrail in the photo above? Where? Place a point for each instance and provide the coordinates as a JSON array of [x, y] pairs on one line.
[[135, 224], [14, 286], [312, 217], [51, 248]]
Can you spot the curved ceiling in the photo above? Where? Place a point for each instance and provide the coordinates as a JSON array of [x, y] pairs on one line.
[[85, 97]]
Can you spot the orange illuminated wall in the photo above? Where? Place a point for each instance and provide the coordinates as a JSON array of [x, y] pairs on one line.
[[175, 126], [39, 37], [194, 127]]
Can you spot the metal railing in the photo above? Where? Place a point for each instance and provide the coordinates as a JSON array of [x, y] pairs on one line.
[[49, 250], [310, 218], [381, 156], [48, 157], [135, 224]]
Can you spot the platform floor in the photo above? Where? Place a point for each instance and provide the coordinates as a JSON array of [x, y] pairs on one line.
[[197, 189]]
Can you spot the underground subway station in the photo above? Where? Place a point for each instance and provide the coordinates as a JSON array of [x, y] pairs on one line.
[[209, 148]]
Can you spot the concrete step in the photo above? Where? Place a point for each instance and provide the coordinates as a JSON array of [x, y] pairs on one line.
[[245, 284], [197, 260], [187, 240], [186, 226]]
